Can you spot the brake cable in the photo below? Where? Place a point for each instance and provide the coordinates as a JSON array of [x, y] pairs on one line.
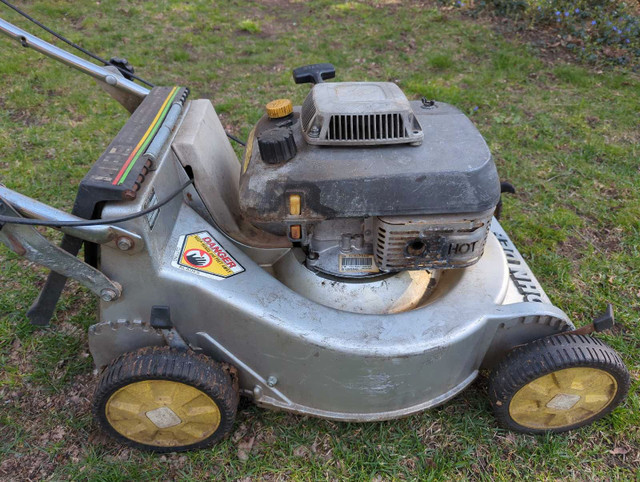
[[96, 222], [113, 62], [122, 70]]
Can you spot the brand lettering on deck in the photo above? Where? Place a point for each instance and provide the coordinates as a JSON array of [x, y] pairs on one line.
[[521, 276]]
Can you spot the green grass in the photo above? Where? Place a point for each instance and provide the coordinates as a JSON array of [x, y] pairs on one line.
[[566, 136]]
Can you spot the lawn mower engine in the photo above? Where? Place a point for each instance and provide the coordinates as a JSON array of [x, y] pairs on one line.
[[368, 183]]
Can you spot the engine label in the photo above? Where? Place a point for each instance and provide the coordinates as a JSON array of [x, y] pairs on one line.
[[357, 263], [200, 253]]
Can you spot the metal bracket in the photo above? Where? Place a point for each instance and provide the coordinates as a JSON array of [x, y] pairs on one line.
[[110, 83], [107, 235], [174, 340], [253, 378], [27, 242], [161, 319]]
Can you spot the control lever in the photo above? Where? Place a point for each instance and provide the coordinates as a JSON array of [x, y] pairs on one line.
[[603, 321]]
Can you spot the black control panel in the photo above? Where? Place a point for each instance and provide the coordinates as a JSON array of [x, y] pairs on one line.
[[121, 169]]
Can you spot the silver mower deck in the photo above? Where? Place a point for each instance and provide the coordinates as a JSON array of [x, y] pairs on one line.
[[410, 345]]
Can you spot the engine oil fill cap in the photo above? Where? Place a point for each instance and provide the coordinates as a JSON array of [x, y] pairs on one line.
[[277, 145], [279, 108]]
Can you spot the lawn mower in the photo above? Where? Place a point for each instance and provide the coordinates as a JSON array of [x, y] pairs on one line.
[[350, 266]]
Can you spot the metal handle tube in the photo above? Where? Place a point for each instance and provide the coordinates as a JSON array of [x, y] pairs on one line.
[[100, 73], [101, 234]]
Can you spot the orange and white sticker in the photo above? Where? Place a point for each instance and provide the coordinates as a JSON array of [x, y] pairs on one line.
[[200, 253]]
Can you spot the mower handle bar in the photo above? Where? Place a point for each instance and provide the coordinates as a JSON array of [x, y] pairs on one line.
[[101, 234], [128, 93]]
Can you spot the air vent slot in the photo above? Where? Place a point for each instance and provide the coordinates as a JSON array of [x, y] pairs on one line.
[[308, 112], [367, 127]]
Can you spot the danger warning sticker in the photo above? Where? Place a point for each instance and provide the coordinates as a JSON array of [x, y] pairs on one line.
[[200, 253]]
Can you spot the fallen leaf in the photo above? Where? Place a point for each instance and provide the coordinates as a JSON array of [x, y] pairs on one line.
[[300, 451], [619, 451], [244, 448]]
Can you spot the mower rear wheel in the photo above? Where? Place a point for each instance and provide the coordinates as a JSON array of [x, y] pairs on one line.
[[557, 384], [164, 400]]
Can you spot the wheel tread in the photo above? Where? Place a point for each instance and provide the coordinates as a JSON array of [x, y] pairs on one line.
[[167, 363], [540, 357]]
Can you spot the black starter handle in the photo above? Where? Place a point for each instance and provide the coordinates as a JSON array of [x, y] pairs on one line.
[[314, 73]]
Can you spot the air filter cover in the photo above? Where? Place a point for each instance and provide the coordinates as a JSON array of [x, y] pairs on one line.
[[359, 113]]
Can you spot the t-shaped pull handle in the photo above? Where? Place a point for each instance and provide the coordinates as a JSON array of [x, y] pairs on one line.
[[314, 73]]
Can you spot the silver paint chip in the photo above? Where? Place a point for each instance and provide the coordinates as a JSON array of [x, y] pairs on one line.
[[563, 401], [163, 417]]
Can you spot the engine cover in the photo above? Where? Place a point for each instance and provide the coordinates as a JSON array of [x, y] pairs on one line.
[[433, 196], [359, 113]]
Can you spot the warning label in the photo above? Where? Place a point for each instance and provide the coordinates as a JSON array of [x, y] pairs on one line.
[[201, 254]]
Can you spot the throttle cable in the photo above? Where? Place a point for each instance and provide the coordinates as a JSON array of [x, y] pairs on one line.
[[96, 222], [122, 70]]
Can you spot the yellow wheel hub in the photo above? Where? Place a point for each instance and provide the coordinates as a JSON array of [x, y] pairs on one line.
[[162, 413], [563, 398]]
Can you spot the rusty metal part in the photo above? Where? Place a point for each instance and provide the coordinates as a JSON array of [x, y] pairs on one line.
[[603, 322], [110, 339]]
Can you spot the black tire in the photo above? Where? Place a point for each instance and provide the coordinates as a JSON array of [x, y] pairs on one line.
[[580, 370], [186, 374]]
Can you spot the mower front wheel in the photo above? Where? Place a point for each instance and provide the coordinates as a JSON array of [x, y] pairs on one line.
[[557, 384], [165, 400]]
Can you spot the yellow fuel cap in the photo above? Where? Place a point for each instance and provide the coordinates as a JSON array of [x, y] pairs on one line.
[[279, 108]]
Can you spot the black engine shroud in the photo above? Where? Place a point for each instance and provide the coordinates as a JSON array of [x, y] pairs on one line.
[[451, 172]]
